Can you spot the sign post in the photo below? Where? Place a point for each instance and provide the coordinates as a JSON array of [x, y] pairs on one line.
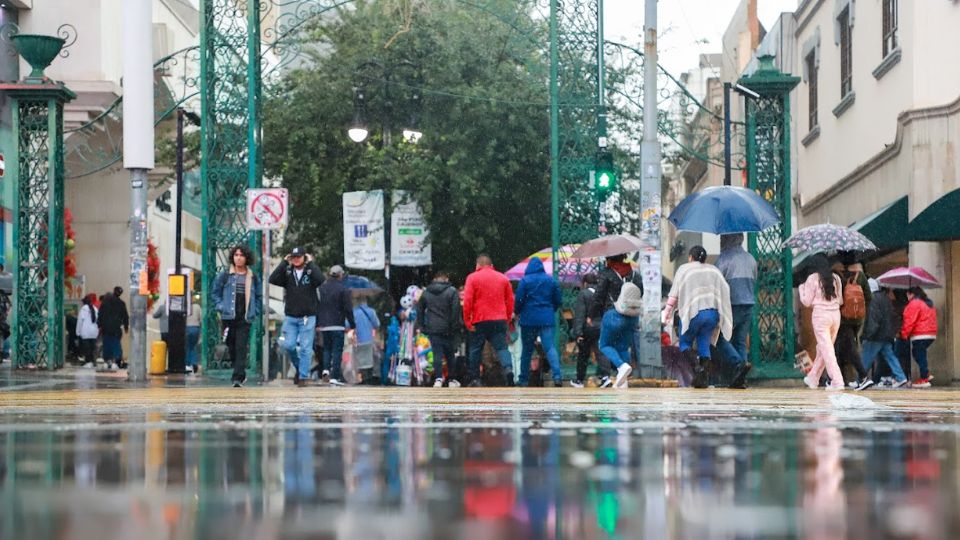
[[267, 210]]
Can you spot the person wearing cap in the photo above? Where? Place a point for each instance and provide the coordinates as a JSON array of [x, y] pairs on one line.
[[879, 333], [618, 328], [300, 278], [703, 297], [334, 311]]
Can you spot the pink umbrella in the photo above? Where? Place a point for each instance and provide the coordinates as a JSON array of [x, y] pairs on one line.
[[571, 270], [904, 278]]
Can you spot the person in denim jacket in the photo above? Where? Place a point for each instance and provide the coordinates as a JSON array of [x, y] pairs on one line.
[[237, 298]]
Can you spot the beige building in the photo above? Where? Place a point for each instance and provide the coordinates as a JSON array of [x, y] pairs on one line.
[[878, 119]]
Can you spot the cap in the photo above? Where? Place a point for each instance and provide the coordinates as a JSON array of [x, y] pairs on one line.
[[297, 252], [336, 270]]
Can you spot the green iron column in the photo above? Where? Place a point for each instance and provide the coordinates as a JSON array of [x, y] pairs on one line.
[[36, 167], [768, 173], [230, 138]]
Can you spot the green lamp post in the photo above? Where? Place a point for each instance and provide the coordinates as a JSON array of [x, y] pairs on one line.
[[37, 170]]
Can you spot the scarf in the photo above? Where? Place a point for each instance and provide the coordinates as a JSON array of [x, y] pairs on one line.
[[622, 268]]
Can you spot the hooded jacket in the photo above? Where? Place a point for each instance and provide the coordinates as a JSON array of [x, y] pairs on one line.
[[880, 325], [487, 296], [919, 321], [300, 295], [439, 309], [335, 306], [538, 296]]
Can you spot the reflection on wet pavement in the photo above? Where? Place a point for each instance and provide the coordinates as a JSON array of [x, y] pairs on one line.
[[526, 473]]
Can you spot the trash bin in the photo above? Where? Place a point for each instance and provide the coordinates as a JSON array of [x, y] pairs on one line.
[[158, 358]]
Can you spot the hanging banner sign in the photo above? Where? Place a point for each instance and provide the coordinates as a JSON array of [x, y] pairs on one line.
[[408, 233], [363, 238]]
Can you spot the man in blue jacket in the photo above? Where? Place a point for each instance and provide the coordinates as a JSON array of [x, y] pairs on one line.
[[537, 301]]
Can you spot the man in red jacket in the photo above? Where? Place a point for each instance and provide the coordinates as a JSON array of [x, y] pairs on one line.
[[487, 308]]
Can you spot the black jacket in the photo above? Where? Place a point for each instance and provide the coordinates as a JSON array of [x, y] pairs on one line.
[[113, 316], [608, 290], [439, 309], [336, 304], [880, 325], [580, 309], [300, 297]]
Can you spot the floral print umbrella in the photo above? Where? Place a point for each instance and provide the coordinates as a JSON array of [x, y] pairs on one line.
[[827, 237]]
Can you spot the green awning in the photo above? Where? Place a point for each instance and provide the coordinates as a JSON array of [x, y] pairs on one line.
[[939, 221], [888, 227]]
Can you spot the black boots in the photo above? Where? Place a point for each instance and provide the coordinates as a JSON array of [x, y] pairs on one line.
[[739, 381], [704, 367]]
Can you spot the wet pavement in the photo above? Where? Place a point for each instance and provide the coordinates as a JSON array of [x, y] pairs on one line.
[[93, 457]]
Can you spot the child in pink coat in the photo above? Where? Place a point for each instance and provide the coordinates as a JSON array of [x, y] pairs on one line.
[[822, 292]]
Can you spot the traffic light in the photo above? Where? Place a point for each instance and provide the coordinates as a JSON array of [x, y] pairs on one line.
[[605, 176]]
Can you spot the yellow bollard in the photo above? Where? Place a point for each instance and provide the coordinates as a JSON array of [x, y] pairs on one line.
[[158, 358]]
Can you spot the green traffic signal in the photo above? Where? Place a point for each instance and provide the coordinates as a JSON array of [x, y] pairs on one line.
[[605, 176]]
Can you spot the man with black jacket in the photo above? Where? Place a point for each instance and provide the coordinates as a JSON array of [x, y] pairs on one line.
[[616, 272], [300, 279], [588, 335], [879, 333], [114, 320], [335, 308], [439, 318]]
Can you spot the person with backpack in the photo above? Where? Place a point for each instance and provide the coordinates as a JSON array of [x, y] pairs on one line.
[[856, 299], [822, 292], [920, 327], [879, 331], [617, 329], [615, 273], [88, 331]]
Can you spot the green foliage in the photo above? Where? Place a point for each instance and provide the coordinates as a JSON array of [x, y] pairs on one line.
[[481, 171]]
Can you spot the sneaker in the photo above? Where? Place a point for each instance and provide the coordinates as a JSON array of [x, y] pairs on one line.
[[899, 384], [867, 383], [453, 384], [811, 384], [302, 383], [558, 384], [239, 382], [622, 373], [854, 384], [922, 383], [836, 387], [438, 383], [113, 366], [337, 382], [88, 365], [508, 379], [325, 375], [606, 382], [576, 384]]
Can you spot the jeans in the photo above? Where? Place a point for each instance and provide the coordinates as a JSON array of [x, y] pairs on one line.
[[299, 331], [742, 319], [700, 330], [193, 339], [333, 353], [616, 336], [111, 347], [919, 348], [238, 341], [885, 348], [589, 344], [496, 333], [528, 336], [442, 346]]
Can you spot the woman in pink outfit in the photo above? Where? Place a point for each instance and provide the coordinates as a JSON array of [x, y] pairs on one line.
[[821, 291]]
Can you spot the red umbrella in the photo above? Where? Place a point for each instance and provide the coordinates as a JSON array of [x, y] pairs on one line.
[[607, 246], [904, 278]]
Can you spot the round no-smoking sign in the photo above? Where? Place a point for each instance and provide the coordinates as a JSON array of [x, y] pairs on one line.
[[266, 208]]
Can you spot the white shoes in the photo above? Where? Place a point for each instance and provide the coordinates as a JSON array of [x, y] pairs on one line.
[[438, 383], [623, 372], [335, 382], [88, 365], [453, 384]]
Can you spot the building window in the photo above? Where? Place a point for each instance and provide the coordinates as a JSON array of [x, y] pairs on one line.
[[846, 52], [889, 26], [811, 61]]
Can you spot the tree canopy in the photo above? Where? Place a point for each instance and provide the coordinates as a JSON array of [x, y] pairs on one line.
[[481, 171]]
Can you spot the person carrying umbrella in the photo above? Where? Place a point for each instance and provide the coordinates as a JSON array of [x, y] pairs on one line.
[[739, 268], [822, 292], [615, 273], [618, 328], [920, 327], [703, 297]]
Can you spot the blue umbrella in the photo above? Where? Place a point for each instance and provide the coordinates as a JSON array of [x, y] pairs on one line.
[[361, 286], [723, 210]]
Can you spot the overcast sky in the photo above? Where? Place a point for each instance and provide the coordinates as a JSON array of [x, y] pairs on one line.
[[687, 28]]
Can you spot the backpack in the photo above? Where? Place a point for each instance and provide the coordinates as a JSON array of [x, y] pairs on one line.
[[854, 304]]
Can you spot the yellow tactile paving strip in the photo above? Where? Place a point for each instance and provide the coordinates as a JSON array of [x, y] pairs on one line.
[[480, 399]]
